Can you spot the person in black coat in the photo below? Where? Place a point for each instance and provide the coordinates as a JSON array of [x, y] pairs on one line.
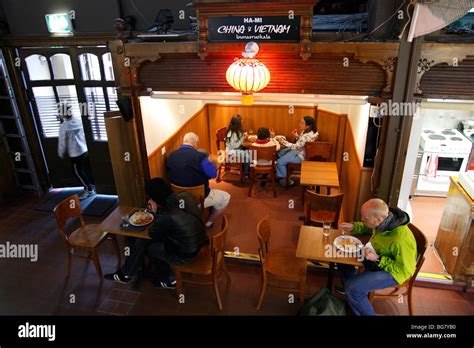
[[178, 234]]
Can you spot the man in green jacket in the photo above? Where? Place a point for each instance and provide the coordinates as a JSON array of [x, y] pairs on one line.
[[390, 257]]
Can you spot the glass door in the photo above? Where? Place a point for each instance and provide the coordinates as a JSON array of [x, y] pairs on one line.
[[78, 81]]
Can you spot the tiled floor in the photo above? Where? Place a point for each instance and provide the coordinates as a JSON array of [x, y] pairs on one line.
[[427, 213], [41, 288]]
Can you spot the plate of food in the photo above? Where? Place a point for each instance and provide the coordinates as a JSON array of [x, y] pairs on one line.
[[348, 244], [141, 218], [252, 138]]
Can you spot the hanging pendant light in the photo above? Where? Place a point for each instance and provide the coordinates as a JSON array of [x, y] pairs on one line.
[[248, 75]]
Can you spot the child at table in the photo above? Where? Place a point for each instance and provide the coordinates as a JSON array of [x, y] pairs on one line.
[[236, 153], [264, 140]]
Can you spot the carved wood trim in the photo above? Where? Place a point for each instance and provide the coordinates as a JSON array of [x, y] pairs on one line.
[[438, 53], [388, 64], [202, 36], [382, 54], [306, 31]]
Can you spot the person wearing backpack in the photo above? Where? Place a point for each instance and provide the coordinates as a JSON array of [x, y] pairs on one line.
[[390, 257]]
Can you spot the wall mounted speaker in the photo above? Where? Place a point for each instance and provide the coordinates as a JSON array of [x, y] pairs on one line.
[[124, 104]]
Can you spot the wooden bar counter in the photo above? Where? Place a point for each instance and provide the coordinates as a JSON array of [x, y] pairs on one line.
[[455, 238]]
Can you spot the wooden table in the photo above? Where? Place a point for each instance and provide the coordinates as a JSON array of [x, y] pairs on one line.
[[112, 223], [315, 173], [313, 245]]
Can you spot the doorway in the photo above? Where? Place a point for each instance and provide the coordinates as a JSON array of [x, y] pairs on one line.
[[437, 133], [79, 81]]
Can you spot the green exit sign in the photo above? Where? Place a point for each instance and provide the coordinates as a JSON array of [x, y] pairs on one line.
[[59, 23]]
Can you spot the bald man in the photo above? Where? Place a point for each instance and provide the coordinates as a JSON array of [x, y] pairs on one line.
[[188, 166], [389, 261]]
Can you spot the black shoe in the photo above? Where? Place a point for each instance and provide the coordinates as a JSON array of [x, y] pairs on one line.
[[162, 285], [340, 289], [118, 277]]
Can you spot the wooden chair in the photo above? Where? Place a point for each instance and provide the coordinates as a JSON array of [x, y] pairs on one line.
[[321, 208], [262, 173], [209, 263], [281, 263], [291, 169], [406, 289], [198, 192], [86, 237], [221, 134], [318, 151]]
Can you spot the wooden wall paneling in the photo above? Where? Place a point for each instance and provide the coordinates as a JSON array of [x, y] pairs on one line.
[[331, 128], [350, 177], [448, 81], [445, 70], [198, 124], [341, 144], [365, 190], [126, 160], [78, 39], [121, 72], [321, 74], [278, 117]]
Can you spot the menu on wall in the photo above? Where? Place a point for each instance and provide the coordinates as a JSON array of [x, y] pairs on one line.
[[267, 28]]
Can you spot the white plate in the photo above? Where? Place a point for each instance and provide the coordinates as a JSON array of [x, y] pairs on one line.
[[138, 225], [358, 243]]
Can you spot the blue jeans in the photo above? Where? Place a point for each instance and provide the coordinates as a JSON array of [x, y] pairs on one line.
[[358, 286], [288, 157]]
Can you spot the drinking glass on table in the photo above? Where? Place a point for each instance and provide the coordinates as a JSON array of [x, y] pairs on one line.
[[346, 227], [326, 228], [125, 220]]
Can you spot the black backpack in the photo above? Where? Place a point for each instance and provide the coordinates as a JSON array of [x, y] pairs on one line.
[[323, 303]]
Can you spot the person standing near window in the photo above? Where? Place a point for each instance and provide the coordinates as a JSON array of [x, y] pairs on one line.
[[72, 145]]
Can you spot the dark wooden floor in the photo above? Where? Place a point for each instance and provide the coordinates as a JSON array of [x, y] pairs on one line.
[[41, 288]]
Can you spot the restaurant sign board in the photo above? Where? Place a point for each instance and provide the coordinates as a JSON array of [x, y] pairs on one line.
[[266, 28]]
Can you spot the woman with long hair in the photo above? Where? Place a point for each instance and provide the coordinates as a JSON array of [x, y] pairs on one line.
[[295, 152], [234, 138]]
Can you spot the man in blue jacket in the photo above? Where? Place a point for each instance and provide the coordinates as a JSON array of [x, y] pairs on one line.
[[190, 167]]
